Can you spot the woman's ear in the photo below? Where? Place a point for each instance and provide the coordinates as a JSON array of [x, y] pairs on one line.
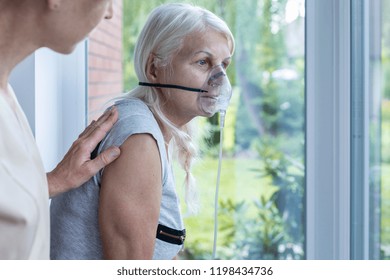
[[151, 68]]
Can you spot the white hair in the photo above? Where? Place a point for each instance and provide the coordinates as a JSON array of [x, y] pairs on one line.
[[163, 36]]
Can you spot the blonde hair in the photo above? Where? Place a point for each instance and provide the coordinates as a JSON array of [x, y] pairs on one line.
[[162, 36]]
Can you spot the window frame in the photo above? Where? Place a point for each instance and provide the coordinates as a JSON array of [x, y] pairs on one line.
[[327, 129]]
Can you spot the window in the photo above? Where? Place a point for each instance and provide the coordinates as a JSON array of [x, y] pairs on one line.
[[261, 202], [370, 130], [379, 129], [384, 107], [306, 164]]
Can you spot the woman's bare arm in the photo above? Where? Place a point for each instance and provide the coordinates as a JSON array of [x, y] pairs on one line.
[[130, 200]]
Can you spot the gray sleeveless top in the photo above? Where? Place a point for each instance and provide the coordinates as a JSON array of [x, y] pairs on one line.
[[74, 215]]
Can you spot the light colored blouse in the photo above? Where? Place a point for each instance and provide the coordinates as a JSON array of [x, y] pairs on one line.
[[74, 215], [24, 197]]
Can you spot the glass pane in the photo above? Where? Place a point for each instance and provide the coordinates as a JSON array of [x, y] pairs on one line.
[[380, 129], [261, 201], [375, 127]]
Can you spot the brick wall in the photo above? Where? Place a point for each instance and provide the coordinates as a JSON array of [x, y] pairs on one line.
[[105, 62]]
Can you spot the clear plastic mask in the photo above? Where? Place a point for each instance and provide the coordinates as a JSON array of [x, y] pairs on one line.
[[216, 92]]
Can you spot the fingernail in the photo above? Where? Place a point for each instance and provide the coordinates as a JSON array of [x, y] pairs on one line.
[[115, 152]]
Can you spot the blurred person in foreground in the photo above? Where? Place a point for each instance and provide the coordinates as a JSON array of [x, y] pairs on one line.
[[25, 26]]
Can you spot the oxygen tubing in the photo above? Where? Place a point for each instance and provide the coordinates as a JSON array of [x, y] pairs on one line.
[[222, 125]]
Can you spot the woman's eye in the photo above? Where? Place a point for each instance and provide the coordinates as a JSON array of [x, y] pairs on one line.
[[202, 62]]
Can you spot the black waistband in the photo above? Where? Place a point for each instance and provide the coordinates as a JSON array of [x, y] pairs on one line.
[[170, 235]]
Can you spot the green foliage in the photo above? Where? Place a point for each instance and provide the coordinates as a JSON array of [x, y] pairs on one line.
[[134, 16], [386, 49], [260, 237], [238, 182], [270, 227], [288, 176], [385, 131], [386, 66], [385, 212], [386, 82], [250, 238], [270, 75]]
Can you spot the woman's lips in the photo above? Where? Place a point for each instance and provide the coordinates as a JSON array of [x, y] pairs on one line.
[[210, 97]]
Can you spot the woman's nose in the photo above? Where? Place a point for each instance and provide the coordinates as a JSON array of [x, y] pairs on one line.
[[110, 11]]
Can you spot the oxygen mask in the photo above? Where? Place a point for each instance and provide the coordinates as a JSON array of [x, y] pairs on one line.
[[216, 92]]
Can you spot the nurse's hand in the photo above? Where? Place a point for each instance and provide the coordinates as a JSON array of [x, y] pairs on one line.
[[77, 167]]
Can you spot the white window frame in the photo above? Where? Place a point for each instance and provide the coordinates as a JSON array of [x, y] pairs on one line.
[[360, 192], [338, 51], [328, 129]]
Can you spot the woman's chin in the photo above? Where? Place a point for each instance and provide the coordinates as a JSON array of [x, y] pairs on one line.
[[207, 114]]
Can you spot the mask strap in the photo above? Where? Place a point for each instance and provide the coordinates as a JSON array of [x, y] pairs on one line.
[[171, 86]]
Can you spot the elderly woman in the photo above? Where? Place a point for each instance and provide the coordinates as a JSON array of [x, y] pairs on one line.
[[25, 26], [131, 210]]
